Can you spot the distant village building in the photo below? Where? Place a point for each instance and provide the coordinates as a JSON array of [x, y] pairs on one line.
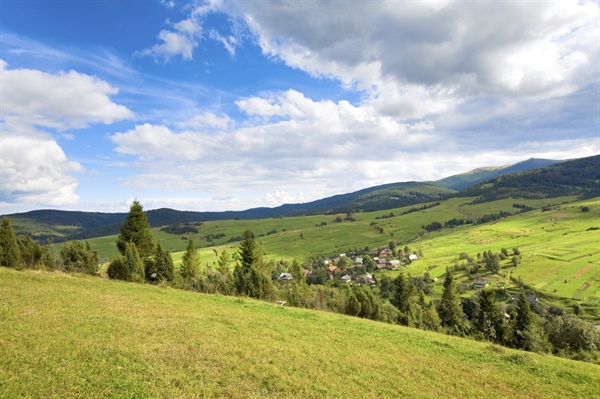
[[480, 283], [346, 279], [413, 257], [285, 277]]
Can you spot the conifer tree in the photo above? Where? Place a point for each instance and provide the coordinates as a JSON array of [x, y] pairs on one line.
[[450, 310], [190, 266], [133, 263], [10, 254], [403, 292], [489, 320], [430, 320], [79, 257], [163, 264], [136, 229], [248, 279]]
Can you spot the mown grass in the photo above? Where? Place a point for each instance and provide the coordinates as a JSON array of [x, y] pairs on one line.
[[70, 337]]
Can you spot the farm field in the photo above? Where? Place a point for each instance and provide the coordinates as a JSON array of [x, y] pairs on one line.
[[82, 336]]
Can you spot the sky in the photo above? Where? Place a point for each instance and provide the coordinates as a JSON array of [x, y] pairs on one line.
[[229, 105]]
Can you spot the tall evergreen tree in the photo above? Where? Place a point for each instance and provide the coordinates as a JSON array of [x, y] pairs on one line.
[[450, 310], [403, 292], [136, 229], [190, 265], [163, 265], [489, 319], [248, 279], [522, 321], [10, 254], [133, 263]]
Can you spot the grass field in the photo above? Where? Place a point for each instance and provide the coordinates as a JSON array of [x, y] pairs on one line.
[[560, 253], [67, 336]]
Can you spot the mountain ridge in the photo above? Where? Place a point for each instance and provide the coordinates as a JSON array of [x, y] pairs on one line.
[[42, 224]]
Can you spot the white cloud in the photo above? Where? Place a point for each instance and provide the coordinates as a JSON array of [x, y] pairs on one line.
[[35, 169], [60, 101], [180, 41]]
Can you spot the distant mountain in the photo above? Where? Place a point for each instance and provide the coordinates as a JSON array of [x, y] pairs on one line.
[[468, 179], [579, 177], [525, 179]]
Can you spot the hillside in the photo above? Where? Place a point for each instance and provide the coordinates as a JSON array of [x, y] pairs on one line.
[[67, 225], [580, 177], [464, 180], [93, 338]]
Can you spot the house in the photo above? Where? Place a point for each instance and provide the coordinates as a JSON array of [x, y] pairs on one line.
[[285, 277], [358, 261], [332, 268], [413, 257], [530, 298], [367, 279], [394, 264], [346, 279], [480, 283], [382, 264]]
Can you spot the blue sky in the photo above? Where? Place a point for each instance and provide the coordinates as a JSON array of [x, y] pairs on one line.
[[229, 105]]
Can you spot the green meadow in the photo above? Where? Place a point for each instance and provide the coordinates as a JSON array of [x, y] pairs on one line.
[[560, 246], [70, 336]]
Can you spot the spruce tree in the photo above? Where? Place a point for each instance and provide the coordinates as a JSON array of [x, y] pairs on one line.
[[10, 254], [403, 293], [136, 229], [133, 263], [522, 321], [190, 266], [450, 310], [165, 269], [489, 319], [248, 278]]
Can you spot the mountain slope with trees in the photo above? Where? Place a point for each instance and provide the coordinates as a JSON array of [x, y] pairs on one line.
[[577, 177]]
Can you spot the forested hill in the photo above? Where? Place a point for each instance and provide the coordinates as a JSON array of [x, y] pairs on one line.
[[464, 180], [579, 177]]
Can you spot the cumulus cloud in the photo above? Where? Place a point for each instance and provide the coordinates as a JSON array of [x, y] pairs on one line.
[[182, 40], [35, 169], [60, 101]]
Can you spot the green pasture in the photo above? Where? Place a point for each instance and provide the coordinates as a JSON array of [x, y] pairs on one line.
[[560, 253], [69, 336]]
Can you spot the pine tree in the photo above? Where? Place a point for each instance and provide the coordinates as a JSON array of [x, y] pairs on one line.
[[403, 292], [450, 310], [10, 254], [190, 266], [133, 263], [136, 229], [489, 319], [522, 321], [248, 279], [163, 264]]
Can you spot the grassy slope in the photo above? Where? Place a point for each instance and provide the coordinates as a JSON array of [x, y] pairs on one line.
[[88, 337], [556, 245]]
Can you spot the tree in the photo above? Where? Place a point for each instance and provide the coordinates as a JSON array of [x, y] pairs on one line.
[[10, 254], [133, 264], [116, 269], [136, 229], [31, 251], [403, 292], [430, 320], [79, 257], [489, 319], [248, 279], [161, 268], [527, 332], [190, 263], [450, 310]]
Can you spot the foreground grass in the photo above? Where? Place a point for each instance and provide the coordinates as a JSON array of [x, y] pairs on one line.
[[65, 337]]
